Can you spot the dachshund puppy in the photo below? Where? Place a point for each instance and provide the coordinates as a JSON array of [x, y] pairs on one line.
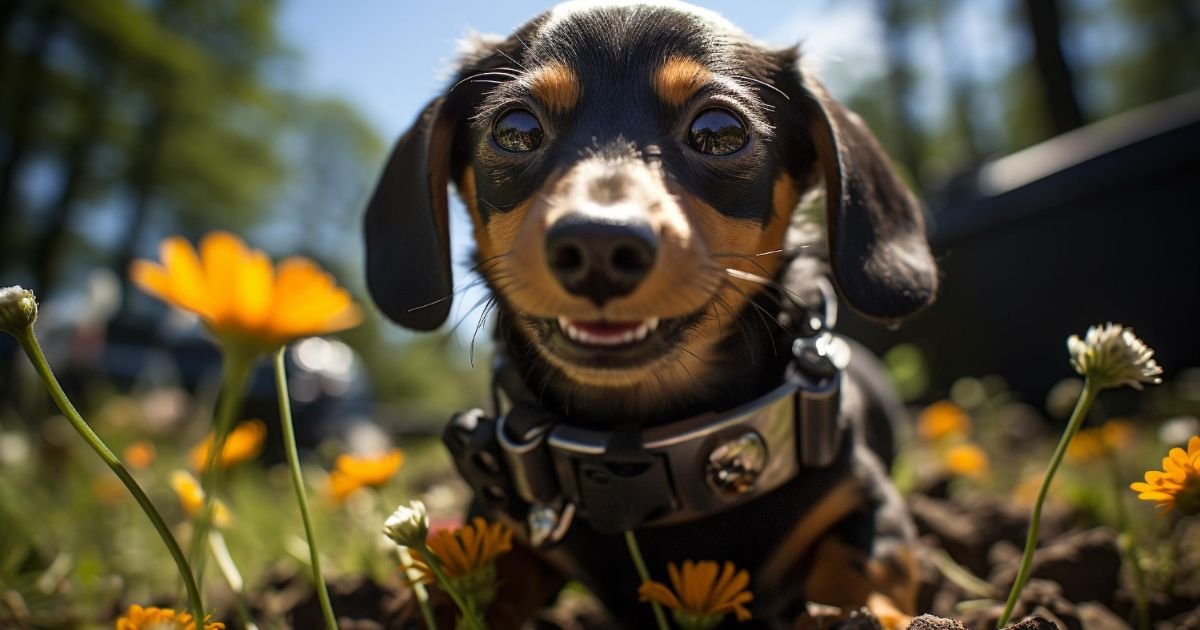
[[633, 172]]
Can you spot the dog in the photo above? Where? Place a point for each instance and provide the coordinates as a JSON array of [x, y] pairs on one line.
[[635, 174]]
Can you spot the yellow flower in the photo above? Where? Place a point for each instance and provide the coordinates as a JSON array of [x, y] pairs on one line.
[[941, 420], [1092, 444], [243, 443], [351, 473], [139, 455], [240, 297], [467, 549], [702, 593], [138, 618], [967, 460], [467, 557], [191, 497], [1178, 484]]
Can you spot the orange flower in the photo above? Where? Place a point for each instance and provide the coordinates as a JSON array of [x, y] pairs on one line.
[[1178, 484], [467, 549], [942, 419], [967, 460], [139, 455], [191, 497], [1092, 444], [244, 443], [240, 297], [138, 618], [702, 593], [351, 473]]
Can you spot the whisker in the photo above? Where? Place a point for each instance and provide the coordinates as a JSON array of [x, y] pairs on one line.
[[484, 74], [513, 60], [743, 77], [482, 318]]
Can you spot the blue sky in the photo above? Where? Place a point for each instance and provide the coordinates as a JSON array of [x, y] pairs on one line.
[[389, 57]]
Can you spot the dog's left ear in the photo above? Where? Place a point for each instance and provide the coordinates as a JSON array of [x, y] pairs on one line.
[[406, 226], [876, 229]]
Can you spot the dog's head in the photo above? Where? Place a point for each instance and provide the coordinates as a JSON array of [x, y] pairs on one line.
[[617, 162]]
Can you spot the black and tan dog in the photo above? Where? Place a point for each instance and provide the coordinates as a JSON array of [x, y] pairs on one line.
[[632, 171]]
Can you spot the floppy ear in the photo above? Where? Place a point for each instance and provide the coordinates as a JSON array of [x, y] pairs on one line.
[[876, 230], [406, 226]]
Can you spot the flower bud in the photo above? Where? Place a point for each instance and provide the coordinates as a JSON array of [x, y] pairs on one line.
[[408, 526], [18, 309]]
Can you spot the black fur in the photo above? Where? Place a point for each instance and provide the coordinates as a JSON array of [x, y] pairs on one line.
[[876, 243]]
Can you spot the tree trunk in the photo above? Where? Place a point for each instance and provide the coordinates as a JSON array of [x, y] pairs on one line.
[[958, 82], [1044, 19], [48, 250], [26, 91], [143, 180], [894, 15]]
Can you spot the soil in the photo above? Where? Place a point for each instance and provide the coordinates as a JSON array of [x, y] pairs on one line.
[[1077, 581]]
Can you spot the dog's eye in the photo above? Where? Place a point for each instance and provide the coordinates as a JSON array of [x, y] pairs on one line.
[[717, 132], [517, 131]]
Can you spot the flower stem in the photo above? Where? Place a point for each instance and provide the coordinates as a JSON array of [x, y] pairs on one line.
[[1082, 406], [635, 552], [220, 552], [33, 351], [236, 369], [465, 606], [1126, 545], [293, 458], [418, 589]]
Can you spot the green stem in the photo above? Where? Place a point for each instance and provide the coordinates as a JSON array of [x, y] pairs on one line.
[[236, 369], [635, 552], [220, 552], [418, 589], [464, 605], [1125, 543], [1082, 406], [29, 344], [293, 458]]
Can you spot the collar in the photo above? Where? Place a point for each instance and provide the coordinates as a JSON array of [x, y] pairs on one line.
[[537, 468]]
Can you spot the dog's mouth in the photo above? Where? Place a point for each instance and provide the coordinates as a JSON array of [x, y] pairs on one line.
[[605, 334], [607, 344]]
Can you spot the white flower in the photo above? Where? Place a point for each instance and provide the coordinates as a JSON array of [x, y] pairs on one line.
[[18, 309], [1111, 356], [408, 525]]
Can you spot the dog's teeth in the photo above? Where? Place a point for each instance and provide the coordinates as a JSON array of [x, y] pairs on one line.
[[579, 335]]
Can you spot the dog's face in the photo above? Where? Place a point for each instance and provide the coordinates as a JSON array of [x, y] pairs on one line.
[[631, 171]]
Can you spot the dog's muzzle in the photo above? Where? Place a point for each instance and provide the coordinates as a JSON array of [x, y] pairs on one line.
[[538, 468]]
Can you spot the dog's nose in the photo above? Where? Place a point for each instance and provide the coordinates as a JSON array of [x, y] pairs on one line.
[[600, 259]]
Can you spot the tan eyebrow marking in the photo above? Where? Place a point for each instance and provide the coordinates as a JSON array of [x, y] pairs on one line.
[[556, 86], [679, 78]]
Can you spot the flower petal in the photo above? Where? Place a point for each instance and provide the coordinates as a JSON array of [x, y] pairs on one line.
[[222, 255], [657, 592]]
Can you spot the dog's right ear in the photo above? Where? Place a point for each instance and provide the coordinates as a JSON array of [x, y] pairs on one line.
[[407, 225]]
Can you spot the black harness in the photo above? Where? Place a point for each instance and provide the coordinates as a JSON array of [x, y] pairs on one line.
[[538, 468]]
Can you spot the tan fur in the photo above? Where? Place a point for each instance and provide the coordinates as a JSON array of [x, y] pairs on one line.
[[684, 279], [836, 580], [679, 78], [556, 86], [833, 507]]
